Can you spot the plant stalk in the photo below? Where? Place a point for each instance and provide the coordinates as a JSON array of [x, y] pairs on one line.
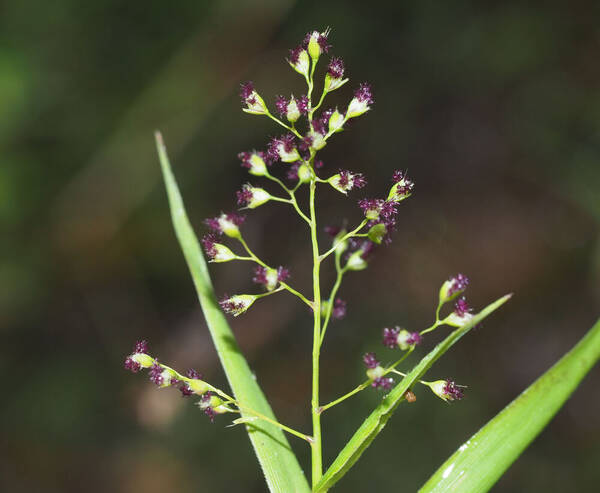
[[316, 445]]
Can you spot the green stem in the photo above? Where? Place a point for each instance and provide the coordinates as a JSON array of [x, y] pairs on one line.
[[247, 410], [366, 383], [283, 285], [343, 238], [334, 290], [269, 293], [323, 94], [280, 199], [311, 84], [404, 356], [316, 446], [361, 387], [277, 120], [435, 325], [292, 195], [404, 374]]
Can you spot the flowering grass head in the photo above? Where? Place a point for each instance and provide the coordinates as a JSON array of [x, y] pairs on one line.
[[308, 126]]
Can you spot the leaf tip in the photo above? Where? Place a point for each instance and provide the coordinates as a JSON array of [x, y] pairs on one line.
[[159, 138]]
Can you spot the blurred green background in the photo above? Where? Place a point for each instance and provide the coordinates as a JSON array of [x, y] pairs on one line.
[[494, 109]]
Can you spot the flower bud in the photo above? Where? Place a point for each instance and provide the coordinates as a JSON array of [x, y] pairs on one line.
[[334, 76], [251, 197], [299, 172], [336, 122], [198, 386], [316, 43], [269, 277], [139, 359], [461, 314], [254, 103], [144, 360], [362, 101], [401, 338], [292, 111], [217, 252], [338, 311], [375, 372], [402, 188], [300, 61], [283, 148], [344, 181], [356, 261], [446, 390], [238, 304], [255, 162], [212, 405], [453, 287], [304, 173], [377, 232], [341, 246], [194, 385], [227, 224], [316, 140], [371, 208], [406, 339], [161, 376]]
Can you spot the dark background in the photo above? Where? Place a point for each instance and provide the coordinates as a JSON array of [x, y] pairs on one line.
[[493, 107]]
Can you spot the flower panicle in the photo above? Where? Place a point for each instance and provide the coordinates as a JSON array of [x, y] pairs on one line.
[[192, 383]]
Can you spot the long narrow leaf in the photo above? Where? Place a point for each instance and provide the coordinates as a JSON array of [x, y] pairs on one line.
[[479, 463], [373, 425], [279, 464]]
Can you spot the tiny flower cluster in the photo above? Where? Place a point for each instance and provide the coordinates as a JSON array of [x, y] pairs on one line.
[[270, 278], [376, 373], [237, 304], [291, 107], [297, 150], [163, 376], [381, 213], [301, 59], [338, 310], [344, 181], [398, 337], [446, 390], [227, 224], [451, 290]]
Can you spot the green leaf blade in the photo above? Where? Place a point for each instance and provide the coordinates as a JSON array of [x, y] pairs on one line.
[[278, 462], [480, 462], [377, 420]]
